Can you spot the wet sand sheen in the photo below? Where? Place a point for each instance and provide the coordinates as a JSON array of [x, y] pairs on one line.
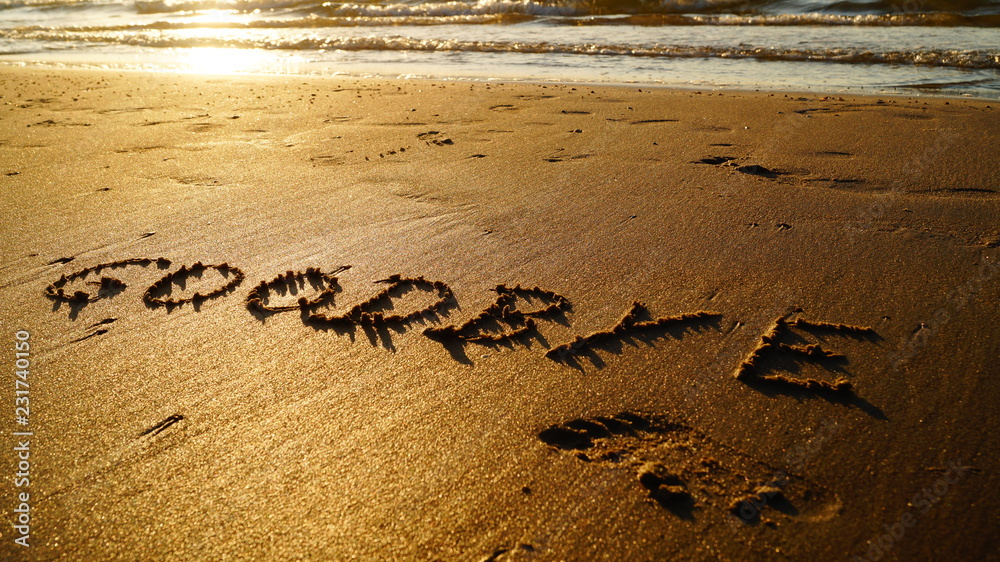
[[280, 317]]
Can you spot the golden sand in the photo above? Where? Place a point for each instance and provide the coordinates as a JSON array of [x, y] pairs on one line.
[[210, 380]]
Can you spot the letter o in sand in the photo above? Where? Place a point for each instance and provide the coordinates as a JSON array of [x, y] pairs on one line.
[[158, 294], [258, 300]]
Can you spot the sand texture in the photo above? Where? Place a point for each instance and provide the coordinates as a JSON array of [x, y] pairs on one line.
[[318, 318]]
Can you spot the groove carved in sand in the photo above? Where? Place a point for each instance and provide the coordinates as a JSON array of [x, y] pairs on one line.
[[502, 321], [365, 313], [107, 287], [158, 294], [771, 344], [631, 323], [258, 298]]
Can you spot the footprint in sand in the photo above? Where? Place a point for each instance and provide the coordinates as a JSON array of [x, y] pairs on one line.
[[327, 160], [435, 138], [51, 123], [200, 181], [715, 160], [139, 149], [203, 127], [118, 110], [749, 169], [755, 170], [561, 155], [763, 172], [688, 474]]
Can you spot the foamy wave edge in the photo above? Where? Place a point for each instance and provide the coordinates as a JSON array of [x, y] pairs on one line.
[[963, 59]]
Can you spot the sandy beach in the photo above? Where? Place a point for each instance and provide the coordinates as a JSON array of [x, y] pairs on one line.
[[286, 317]]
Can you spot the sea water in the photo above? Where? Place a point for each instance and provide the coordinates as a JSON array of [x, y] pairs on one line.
[[944, 47]]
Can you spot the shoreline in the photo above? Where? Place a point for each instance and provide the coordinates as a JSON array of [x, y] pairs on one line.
[[923, 92]]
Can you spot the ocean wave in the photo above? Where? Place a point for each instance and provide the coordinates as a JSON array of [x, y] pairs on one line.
[[961, 59], [581, 7], [978, 13], [549, 7], [513, 11], [905, 6], [57, 4], [303, 23], [459, 17], [446, 9], [173, 6], [894, 20]]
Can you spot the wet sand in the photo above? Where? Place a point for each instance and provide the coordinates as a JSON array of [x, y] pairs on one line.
[[293, 317]]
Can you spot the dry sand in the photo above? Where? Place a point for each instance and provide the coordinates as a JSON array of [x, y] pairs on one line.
[[337, 429]]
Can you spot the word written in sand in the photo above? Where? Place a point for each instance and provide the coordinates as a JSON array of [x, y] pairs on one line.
[[512, 317]]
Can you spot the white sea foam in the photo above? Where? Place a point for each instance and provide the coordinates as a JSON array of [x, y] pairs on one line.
[[747, 39]]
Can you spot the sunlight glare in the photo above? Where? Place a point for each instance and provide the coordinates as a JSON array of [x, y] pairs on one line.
[[214, 60]]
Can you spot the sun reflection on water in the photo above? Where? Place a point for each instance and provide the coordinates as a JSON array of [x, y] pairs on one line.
[[221, 60], [213, 60]]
